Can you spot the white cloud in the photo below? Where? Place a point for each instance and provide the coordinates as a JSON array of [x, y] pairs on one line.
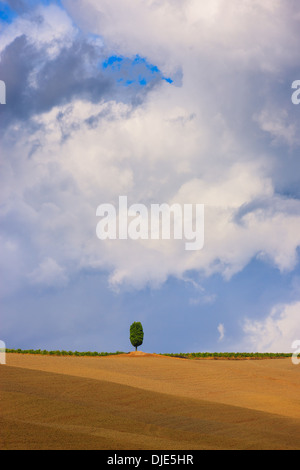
[[47, 28], [276, 122], [49, 274], [61, 186], [246, 31], [276, 332], [221, 330], [181, 144]]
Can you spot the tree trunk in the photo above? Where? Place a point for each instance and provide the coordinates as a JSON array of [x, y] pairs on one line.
[[136, 348]]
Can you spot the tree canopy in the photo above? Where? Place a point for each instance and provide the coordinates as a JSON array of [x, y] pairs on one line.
[[136, 334]]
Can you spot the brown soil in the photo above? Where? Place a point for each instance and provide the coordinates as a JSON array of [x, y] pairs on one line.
[[147, 401], [138, 354]]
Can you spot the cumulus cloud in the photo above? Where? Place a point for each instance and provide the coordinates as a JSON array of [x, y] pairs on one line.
[[276, 122], [48, 67], [59, 190], [186, 28], [80, 143], [277, 332], [45, 28], [48, 274]]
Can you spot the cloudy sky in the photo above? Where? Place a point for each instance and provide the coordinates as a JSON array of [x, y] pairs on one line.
[[170, 101]]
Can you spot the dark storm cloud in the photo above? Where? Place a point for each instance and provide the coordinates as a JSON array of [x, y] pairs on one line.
[[36, 84], [65, 77], [16, 63]]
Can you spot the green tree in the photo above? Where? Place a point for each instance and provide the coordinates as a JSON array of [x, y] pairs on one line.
[[136, 334]]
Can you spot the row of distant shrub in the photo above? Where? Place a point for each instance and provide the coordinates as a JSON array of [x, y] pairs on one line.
[[230, 355], [199, 355], [61, 353]]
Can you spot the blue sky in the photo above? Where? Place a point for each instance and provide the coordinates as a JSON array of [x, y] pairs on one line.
[[132, 71], [162, 103], [6, 13]]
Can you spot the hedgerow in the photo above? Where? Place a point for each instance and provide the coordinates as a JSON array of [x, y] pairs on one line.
[[62, 353], [198, 355], [229, 355]]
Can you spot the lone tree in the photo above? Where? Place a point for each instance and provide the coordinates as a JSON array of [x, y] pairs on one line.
[[136, 334]]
